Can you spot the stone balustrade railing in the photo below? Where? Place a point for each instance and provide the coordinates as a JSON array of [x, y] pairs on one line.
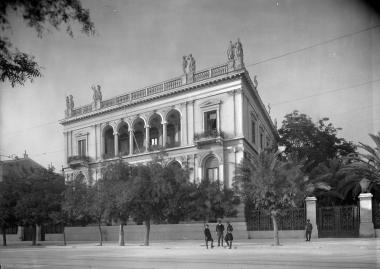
[[153, 90]]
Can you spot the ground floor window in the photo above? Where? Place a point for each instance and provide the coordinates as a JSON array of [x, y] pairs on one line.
[[212, 169]]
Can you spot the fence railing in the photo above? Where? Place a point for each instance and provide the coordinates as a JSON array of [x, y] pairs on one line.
[[10, 230], [290, 219], [155, 89], [376, 214]]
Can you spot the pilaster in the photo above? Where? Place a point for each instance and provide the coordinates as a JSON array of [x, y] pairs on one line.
[[311, 214], [366, 228]]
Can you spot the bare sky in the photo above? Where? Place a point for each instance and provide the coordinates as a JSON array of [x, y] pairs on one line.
[[319, 57]]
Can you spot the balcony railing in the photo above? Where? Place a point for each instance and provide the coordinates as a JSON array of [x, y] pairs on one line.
[[173, 144], [208, 134], [78, 160], [154, 89], [208, 137]]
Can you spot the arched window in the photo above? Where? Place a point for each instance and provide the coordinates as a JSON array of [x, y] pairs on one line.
[[212, 169], [155, 131], [109, 143], [124, 140], [173, 129], [175, 165], [139, 136]]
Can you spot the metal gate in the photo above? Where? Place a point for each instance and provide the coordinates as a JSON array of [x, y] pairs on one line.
[[338, 221]]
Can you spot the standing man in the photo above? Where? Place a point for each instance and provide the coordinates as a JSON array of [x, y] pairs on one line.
[[308, 228], [219, 232]]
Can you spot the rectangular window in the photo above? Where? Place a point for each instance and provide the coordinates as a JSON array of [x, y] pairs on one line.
[[261, 140], [212, 174], [268, 142], [253, 129], [82, 147], [154, 141], [210, 120]]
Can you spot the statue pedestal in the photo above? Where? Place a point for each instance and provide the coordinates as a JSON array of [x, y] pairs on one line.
[[366, 228], [239, 63], [190, 77], [231, 65]]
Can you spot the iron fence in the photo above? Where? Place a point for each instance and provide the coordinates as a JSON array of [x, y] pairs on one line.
[[289, 219]]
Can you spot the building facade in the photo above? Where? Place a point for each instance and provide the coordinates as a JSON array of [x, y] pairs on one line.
[[205, 120]]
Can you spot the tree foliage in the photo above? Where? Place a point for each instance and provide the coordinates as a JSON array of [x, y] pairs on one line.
[[8, 201], [364, 167], [271, 184], [312, 142], [17, 67], [40, 198], [211, 201], [116, 178]]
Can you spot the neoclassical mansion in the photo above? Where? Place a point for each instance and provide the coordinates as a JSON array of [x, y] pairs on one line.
[[205, 120]]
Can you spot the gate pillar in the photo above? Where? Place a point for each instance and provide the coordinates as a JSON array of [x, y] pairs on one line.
[[311, 214], [366, 228]]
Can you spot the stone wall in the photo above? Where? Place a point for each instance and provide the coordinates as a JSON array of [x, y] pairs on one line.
[[171, 232]]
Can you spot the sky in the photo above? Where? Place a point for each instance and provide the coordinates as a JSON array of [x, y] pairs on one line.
[[319, 57]]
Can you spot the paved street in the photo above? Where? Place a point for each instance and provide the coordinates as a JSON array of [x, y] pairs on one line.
[[322, 253]]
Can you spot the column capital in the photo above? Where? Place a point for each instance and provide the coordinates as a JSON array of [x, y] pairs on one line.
[[147, 126], [116, 133], [164, 122], [365, 196], [311, 199]]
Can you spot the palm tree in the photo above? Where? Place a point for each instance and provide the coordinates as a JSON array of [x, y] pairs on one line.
[[271, 184], [365, 166]]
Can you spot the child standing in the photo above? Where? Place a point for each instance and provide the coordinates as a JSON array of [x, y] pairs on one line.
[[308, 228], [208, 236], [229, 238]]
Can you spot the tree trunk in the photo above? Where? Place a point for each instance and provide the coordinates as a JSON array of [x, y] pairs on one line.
[[64, 237], [34, 234], [147, 225], [100, 234], [121, 235], [275, 230], [4, 236]]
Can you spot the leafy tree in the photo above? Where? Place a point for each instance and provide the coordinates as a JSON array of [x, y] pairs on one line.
[[116, 178], [39, 198], [150, 194], [271, 184], [212, 201], [98, 204], [75, 207], [179, 203], [8, 202], [312, 143], [18, 67]]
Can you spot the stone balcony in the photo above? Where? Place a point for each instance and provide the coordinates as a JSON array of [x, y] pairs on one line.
[[208, 137], [78, 160]]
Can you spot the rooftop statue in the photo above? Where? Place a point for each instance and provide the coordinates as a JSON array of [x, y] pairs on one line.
[[71, 102], [230, 51], [69, 105], [97, 96], [188, 64], [238, 49]]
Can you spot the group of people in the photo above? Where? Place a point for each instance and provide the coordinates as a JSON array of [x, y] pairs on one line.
[[229, 237], [220, 234]]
